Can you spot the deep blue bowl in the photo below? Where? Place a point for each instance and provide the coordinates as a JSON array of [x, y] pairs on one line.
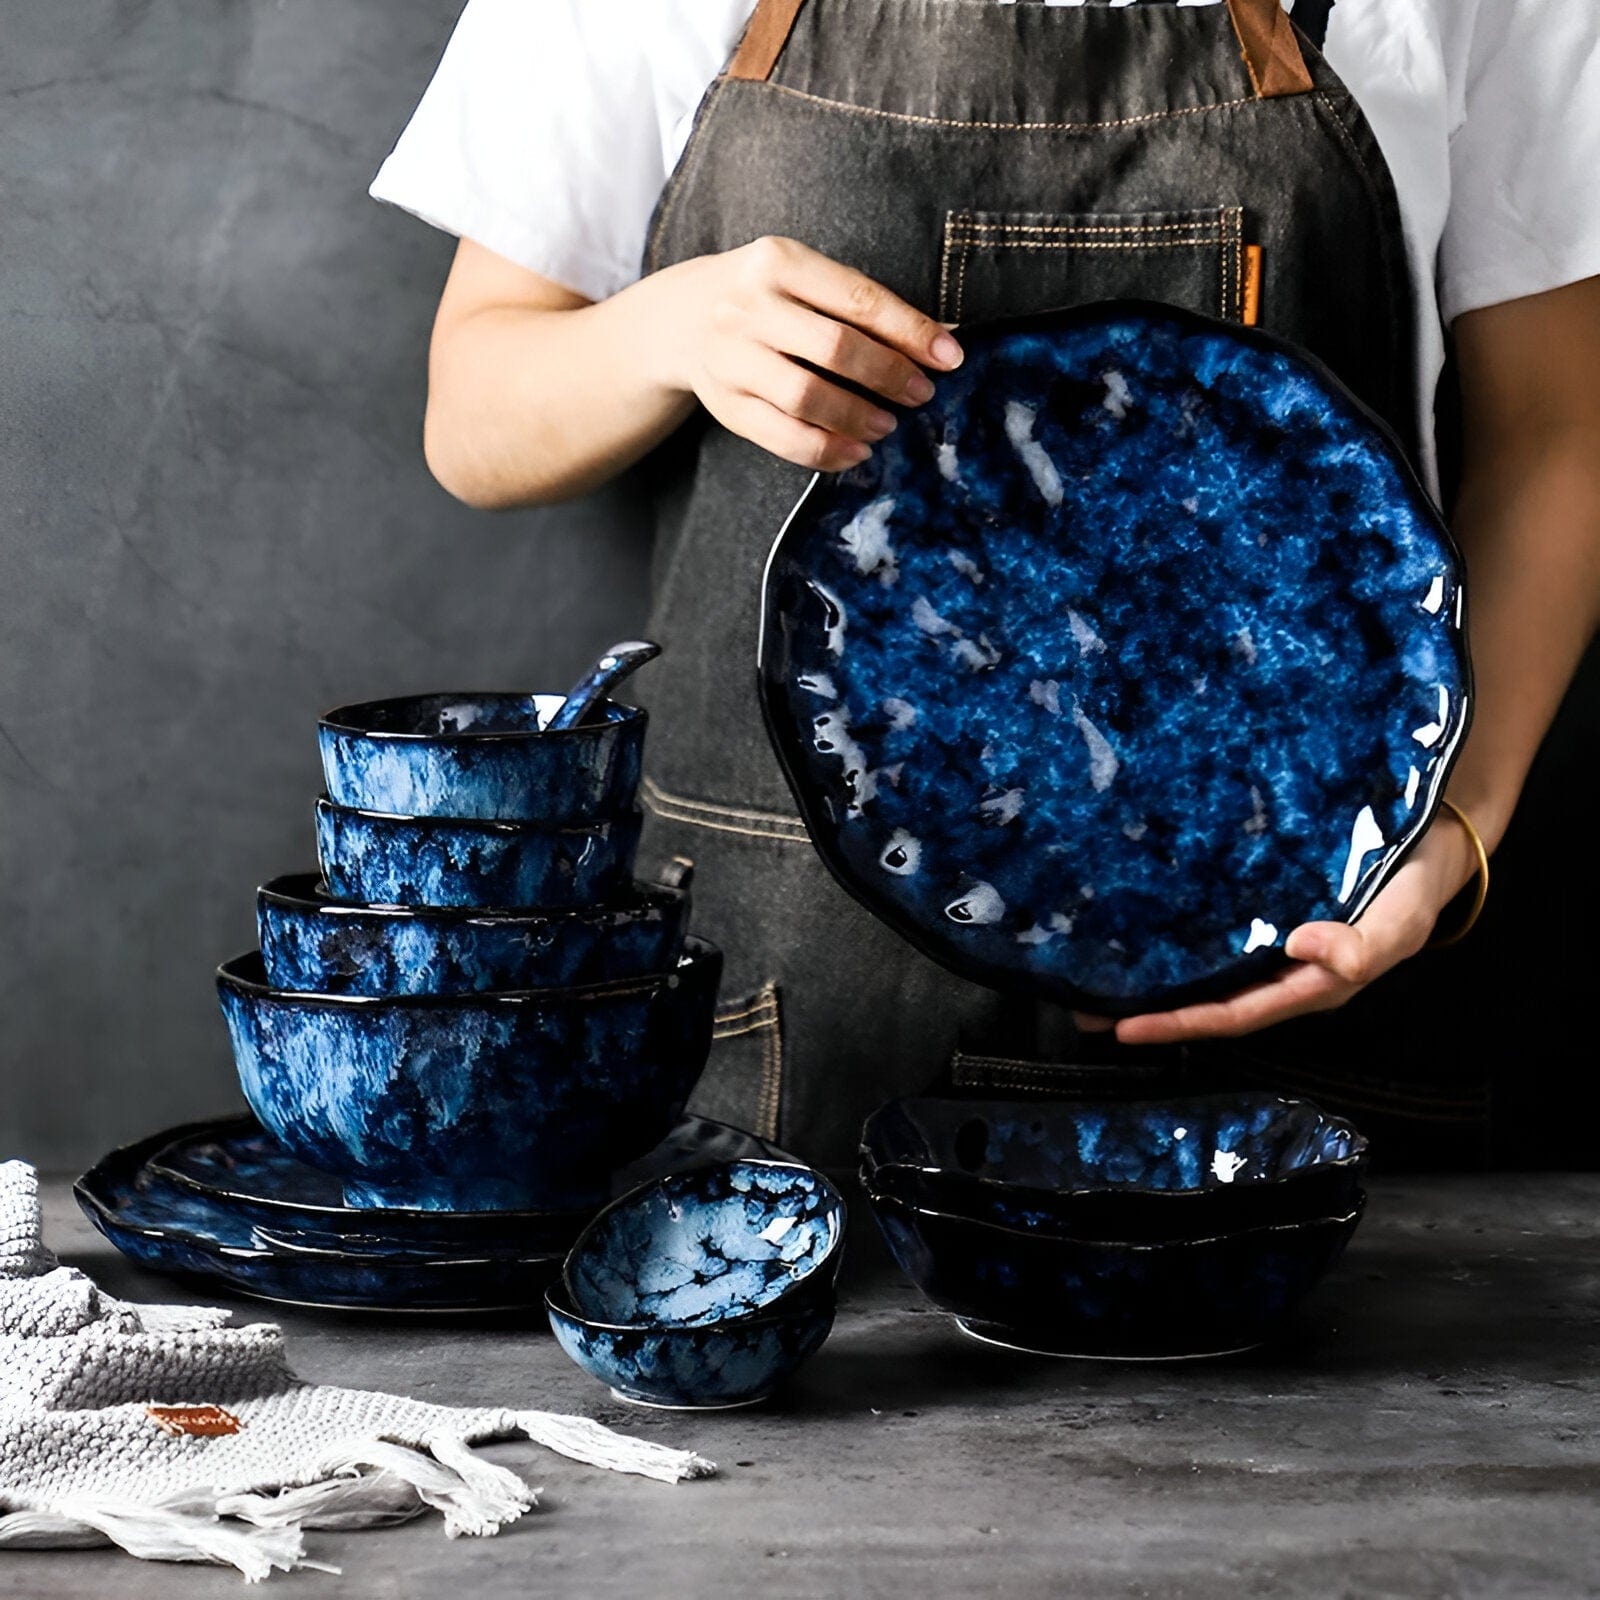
[[1134, 1171], [1035, 1290], [373, 859], [481, 755], [704, 1366], [495, 1102], [314, 943], [706, 1247]]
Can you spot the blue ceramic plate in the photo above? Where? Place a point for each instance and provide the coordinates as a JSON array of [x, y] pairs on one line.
[[1136, 647], [220, 1200]]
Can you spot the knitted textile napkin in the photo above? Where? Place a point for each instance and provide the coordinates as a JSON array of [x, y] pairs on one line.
[[161, 1430]]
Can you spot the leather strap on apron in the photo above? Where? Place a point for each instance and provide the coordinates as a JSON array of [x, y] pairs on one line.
[[1266, 41]]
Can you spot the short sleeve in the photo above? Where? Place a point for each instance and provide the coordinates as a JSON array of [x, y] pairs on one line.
[[1523, 159], [550, 127]]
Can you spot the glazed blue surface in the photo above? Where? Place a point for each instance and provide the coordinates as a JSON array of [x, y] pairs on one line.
[[1136, 647], [619, 662], [372, 859], [222, 1200], [481, 755], [478, 1103], [1046, 1292], [704, 1365], [310, 941], [709, 1246]]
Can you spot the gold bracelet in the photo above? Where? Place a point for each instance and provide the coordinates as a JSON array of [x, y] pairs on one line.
[[1480, 878]]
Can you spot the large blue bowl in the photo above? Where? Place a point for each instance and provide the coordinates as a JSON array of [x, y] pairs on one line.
[[698, 1248], [1136, 1171], [494, 1102], [481, 755], [374, 859], [1036, 1290], [701, 1366], [314, 943]]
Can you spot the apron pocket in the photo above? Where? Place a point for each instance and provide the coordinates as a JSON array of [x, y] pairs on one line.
[[743, 1080], [1011, 263]]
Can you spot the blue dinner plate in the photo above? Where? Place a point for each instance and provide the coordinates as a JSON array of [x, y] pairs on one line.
[[1137, 646], [220, 1200]]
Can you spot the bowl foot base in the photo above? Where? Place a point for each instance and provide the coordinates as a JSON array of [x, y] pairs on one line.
[[714, 1405], [1029, 1343]]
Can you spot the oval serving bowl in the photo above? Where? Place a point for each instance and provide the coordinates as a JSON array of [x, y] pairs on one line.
[[1037, 1291], [491, 1102], [312, 942], [1140, 1170], [712, 1246], [1136, 647], [375, 859], [484, 755], [700, 1366]]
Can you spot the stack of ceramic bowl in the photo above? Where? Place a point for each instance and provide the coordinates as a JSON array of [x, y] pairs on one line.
[[476, 1008], [1147, 1229]]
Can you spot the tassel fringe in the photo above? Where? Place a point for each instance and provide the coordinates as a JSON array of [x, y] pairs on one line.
[[580, 1439]]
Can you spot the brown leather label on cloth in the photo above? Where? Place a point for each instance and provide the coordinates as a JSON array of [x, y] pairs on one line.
[[193, 1422]]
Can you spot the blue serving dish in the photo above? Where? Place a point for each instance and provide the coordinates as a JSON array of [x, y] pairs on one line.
[[1185, 1166], [1135, 648], [313, 942], [221, 1201], [370, 858], [482, 755], [492, 1102], [1031, 1289], [699, 1366], [710, 1247]]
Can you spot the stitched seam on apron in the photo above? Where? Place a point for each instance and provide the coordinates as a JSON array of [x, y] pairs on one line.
[[723, 819], [1098, 244], [1005, 127], [768, 1003], [964, 220], [771, 1073], [678, 176]]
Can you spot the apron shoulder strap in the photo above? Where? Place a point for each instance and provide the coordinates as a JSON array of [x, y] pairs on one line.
[[1266, 40]]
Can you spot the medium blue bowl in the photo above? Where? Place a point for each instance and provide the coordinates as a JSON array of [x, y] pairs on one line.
[[314, 943], [494, 1102], [1190, 1166], [374, 859], [481, 755], [705, 1366], [1036, 1290], [698, 1248]]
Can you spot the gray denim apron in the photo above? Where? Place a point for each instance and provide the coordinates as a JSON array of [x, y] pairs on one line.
[[980, 160]]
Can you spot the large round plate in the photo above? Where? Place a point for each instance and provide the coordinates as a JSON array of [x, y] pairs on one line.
[[1137, 646]]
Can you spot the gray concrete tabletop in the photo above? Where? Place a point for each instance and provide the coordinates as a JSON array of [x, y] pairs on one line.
[[1431, 1429]]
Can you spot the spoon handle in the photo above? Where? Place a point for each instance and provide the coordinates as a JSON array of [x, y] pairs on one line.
[[619, 662]]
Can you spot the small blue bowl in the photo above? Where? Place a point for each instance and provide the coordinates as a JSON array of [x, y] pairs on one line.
[[490, 1102], [700, 1367], [373, 859], [710, 1247], [312, 943], [482, 755]]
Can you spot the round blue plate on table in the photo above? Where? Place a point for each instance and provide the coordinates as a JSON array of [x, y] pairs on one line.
[[1138, 645], [221, 1200]]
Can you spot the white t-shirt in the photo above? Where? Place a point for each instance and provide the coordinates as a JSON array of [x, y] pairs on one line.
[[551, 126]]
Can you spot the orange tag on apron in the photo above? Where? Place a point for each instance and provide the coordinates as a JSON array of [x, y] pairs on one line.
[[1251, 308], [194, 1422]]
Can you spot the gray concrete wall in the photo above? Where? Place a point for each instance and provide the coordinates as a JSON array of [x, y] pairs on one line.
[[215, 520]]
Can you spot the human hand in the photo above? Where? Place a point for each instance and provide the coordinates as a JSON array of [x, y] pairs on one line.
[[761, 334], [1331, 960]]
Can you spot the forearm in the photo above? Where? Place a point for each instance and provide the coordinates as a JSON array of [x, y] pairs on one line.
[[1528, 521], [532, 404]]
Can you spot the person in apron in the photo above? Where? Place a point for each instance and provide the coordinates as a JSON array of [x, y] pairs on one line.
[[862, 174]]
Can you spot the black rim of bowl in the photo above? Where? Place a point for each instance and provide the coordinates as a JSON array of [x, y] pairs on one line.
[[346, 719], [491, 825]]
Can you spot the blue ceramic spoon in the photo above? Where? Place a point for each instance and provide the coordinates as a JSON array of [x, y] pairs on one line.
[[619, 662]]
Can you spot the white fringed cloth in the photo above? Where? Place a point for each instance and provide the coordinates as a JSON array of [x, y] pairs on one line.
[[85, 1460]]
